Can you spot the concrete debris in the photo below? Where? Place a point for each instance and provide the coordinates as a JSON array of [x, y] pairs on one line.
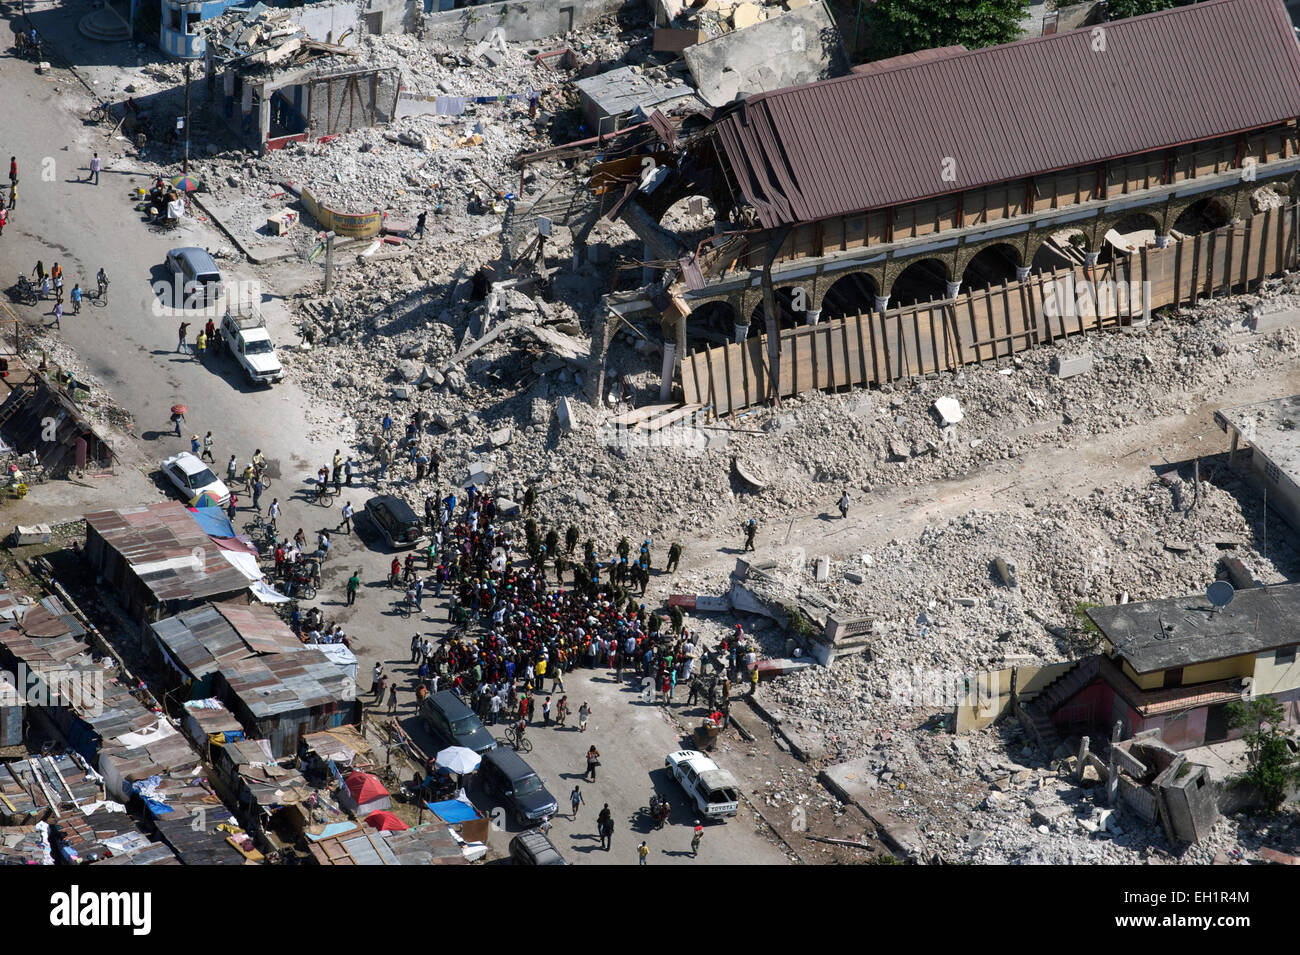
[[948, 410], [1068, 367]]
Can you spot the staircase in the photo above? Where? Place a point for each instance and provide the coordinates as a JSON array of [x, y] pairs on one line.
[[106, 25], [1036, 716]]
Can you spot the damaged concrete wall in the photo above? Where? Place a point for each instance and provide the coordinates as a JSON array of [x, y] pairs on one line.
[[329, 22], [801, 46], [529, 20], [390, 16]]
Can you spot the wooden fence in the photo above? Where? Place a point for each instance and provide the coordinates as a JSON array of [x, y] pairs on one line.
[[997, 321]]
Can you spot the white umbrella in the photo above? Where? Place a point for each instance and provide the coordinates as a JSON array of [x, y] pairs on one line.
[[458, 760]]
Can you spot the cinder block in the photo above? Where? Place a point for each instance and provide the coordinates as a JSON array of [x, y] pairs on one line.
[[1267, 319], [1064, 367]]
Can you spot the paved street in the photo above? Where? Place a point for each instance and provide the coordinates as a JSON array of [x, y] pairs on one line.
[[130, 346]]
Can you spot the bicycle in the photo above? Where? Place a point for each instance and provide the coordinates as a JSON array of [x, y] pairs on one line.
[[394, 580], [98, 298], [323, 497], [101, 112], [406, 606], [521, 744]]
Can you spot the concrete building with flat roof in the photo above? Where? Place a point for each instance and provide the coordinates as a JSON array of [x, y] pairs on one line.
[[1269, 433]]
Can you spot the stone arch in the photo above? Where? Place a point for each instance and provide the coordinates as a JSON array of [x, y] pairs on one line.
[[1204, 215], [787, 315], [850, 294], [994, 264], [711, 319], [1127, 223], [920, 281]]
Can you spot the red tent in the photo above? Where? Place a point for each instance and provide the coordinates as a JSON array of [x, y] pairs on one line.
[[365, 788], [385, 821]]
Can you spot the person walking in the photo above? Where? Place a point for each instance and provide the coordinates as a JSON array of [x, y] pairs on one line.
[[354, 582], [13, 194], [177, 418], [561, 711], [75, 297], [607, 832], [751, 528], [380, 687], [273, 512], [392, 700], [94, 168], [200, 346], [575, 800], [207, 448], [546, 712], [584, 712], [4, 219], [844, 505], [419, 223], [697, 839], [58, 314], [642, 852], [348, 511], [674, 555], [593, 761], [182, 337], [13, 168]]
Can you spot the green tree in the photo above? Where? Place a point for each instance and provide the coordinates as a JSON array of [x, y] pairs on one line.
[[905, 26], [1274, 768], [1120, 9]]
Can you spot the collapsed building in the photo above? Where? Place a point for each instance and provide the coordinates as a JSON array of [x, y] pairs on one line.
[[828, 202]]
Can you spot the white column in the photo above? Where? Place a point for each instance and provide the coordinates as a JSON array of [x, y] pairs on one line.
[[1091, 258], [666, 375], [740, 332], [882, 303], [813, 316], [1162, 241], [1022, 273], [952, 289]]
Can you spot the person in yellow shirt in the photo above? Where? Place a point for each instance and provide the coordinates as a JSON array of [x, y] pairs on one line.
[[642, 851], [201, 345]]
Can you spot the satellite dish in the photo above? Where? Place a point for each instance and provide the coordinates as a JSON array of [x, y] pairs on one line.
[[1220, 593]]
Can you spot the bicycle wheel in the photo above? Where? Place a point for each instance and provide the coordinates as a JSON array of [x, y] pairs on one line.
[[526, 745], [326, 500], [404, 608], [306, 591]]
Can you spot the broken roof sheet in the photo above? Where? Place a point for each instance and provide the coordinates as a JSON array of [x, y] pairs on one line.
[[876, 139], [431, 844], [211, 637], [1181, 631]]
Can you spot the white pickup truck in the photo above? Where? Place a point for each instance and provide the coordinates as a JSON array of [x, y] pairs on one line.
[[244, 336]]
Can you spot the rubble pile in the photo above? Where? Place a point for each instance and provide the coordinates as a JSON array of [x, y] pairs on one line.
[[864, 441]]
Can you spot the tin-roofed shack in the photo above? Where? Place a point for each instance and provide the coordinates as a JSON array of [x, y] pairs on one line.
[[190, 648], [431, 844], [282, 697], [159, 561]]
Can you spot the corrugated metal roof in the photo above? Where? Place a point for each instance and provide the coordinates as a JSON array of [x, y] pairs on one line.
[[217, 635], [880, 138], [161, 543]]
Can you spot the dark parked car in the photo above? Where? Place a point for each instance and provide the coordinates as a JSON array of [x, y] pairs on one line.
[[396, 521], [531, 847], [452, 722], [503, 772]]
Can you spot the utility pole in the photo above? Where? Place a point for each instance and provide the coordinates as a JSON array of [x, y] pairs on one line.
[[329, 260], [186, 167]]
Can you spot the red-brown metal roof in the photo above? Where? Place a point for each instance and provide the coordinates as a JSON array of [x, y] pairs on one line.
[[880, 138]]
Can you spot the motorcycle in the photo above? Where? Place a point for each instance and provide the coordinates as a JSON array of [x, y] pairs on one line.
[[658, 810]]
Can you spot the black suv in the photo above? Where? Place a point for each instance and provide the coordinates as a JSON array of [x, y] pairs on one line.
[[531, 847], [503, 772], [396, 521], [447, 717]]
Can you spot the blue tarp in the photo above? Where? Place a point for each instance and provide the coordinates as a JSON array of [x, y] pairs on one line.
[[333, 829], [453, 810], [214, 522]]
